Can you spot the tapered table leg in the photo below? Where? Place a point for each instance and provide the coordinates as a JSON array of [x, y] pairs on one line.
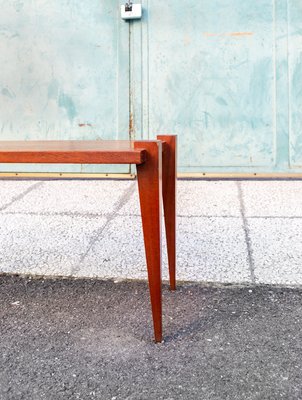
[[169, 199], [149, 184]]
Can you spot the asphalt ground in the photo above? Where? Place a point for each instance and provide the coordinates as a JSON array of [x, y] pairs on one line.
[[92, 339]]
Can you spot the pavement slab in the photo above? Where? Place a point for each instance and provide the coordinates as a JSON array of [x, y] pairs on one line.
[[39, 244], [228, 231], [272, 198], [209, 249], [277, 250], [92, 339], [199, 198], [95, 197]]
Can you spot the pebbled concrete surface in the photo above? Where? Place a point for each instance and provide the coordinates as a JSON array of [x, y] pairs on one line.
[[198, 259], [277, 250], [228, 231], [74, 197], [31, 244], [199, 199], [89, 339], [273, 198]]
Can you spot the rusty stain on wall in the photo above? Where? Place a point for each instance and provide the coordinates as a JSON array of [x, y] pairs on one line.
[[131, 126], [86, 124], [209, 34]]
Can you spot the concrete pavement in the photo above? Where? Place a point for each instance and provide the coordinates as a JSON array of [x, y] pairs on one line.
[[226, 335], [228, 231]]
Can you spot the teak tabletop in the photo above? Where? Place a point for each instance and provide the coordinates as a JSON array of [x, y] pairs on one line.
[[156, 174], [71, 152]]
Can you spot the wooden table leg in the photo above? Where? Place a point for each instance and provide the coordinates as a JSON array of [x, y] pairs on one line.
[[149, 184], [169, 199]]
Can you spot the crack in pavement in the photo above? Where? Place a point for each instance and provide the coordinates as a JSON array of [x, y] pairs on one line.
[[120, 203], [70, 214], [92, 215], [246, 233], [21, 195]]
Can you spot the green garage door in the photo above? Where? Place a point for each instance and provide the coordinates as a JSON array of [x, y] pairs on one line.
[[225, 75], [64, 74]]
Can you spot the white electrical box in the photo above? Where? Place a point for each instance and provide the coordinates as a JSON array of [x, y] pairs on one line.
[[131, 11]]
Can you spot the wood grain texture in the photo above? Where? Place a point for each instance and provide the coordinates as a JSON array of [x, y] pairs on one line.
[[149, 183], [154, 184], [169, 200], [71, 152]]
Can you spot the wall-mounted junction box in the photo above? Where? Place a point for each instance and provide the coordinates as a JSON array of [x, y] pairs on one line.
[[131, 11]]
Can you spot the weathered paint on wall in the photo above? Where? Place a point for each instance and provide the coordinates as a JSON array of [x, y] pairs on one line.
[[224, 75], [64, 72], [218, 74], [212, 80], [295, 88]]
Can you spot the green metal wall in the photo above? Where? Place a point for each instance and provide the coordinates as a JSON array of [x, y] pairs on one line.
[[64, 74], [225, 75]]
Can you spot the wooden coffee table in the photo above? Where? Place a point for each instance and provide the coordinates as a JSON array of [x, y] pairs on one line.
[[156, 173]]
